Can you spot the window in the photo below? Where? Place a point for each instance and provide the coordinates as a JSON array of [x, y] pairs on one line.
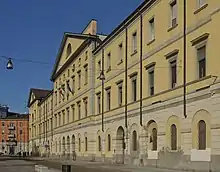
[[173, 6], [86, 55], [173, 73], [202, 135], [99, 103], [64, 117], [108, 62], [20, 124], [55, 120], [68, 73], [173, 137], [86, 144], [151, 29], [79, 144], [73, 84], [201, 3], [69, 50], [86, 107], [154, 139], [134, 89], [151, 82], [79, 110], [201, 53], [109, 142], [120, 94], [79, 79], [73, 112], [86, 74], [108, 92], [120, 52], [68, 114], [59, 118], [134, 141], [3, 124], [134, 42], [99, 143], [68, 90], [99, 66], [79, 61]]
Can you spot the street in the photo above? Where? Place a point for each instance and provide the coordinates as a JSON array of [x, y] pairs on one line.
[[30, 165]]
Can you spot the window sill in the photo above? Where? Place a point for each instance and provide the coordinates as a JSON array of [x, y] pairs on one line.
[[201, 8], [120, 62], [135, 52], [150, 42], [172, 27]]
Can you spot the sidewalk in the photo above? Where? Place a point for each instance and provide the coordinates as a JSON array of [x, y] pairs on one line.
[[118, 167]]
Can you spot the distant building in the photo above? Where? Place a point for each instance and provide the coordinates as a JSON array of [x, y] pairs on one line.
[[14, 133], [3, 111]]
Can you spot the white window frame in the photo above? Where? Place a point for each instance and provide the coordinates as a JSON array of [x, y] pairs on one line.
[[134, 42], [151, 28]]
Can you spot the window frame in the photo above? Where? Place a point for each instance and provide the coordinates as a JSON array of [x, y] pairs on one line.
[[151, 85], [134, 42], [151, 23]]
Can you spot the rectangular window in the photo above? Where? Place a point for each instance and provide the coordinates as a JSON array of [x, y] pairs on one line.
[[120, 95], [86, 55], [99, 103], [120, 52], [86, 74], [73, 112], [73, 84], [67, 90], [79, 110], [173, 7], [59, 122], [68, 114], [99, 66], [64, 117], [108, 96], [79, 79], [134, 89], [86, 107], [173, 73], [134, 42], [55, 122], [151, 29], [201, 53], [151, 82], [109, 62]]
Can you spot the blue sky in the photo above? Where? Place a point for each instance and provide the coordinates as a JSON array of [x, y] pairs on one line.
[[33, 30]]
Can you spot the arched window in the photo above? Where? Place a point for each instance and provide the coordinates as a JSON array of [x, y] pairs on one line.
[[202, 135], [69, 50], [79, 144], [134, 140], [154, 139], [109, 142], [86, 144], [173, 130], [99, 143]]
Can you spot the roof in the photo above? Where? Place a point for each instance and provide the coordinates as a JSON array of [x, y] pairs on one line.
[[143, 6], [38, 93], [65, 36]]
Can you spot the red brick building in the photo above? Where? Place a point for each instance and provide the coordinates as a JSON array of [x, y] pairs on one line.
[[14, 136]]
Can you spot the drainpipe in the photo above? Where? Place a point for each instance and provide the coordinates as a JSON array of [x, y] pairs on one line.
[[184, 59], [141, 44], [102, 73], [126, 77]]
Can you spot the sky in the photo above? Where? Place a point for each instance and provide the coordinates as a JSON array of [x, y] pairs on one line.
[[33, 30]]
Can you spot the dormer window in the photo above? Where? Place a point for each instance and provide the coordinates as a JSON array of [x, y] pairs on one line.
[[69, 50]]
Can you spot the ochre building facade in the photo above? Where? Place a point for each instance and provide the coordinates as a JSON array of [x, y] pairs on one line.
[[119, 98]]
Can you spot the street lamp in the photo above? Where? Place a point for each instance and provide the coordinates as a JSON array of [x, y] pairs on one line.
[[9, 65]]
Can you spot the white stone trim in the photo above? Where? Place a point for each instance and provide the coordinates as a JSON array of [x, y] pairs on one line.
[[152, 154], [201, 155]]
